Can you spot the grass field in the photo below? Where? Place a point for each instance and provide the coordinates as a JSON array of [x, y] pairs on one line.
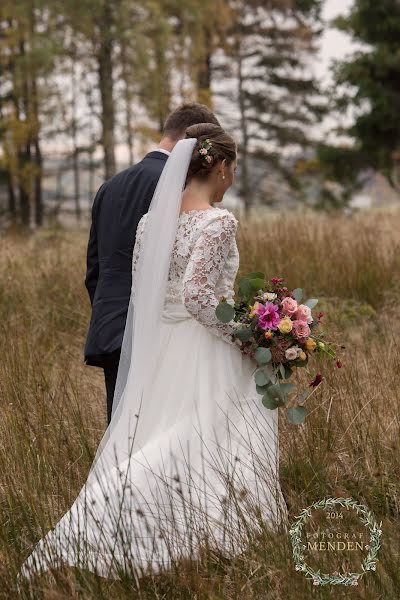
[[53, 406]]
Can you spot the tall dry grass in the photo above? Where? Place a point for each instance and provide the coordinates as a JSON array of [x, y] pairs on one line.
[[53, 406]]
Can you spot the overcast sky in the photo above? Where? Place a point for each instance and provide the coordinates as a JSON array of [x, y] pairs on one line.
[[334, 44]]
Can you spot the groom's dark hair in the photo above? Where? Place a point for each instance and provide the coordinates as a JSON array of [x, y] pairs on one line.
[[186, 115]]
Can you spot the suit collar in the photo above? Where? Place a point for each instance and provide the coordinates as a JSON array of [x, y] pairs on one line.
[[157, 154]]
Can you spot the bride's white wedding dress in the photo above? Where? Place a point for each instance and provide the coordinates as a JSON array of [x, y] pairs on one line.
[[204, 458]]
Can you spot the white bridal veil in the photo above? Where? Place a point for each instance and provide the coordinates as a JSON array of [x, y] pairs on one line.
[[136, 365], [140, 337], [145, 307]]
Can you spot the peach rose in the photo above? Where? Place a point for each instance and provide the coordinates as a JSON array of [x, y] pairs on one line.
[[289, 306], [304, 313], [311, 344], [301, 329], [254, 309]]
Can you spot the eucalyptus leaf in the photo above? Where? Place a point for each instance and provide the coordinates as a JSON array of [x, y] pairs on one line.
[[280, 391], [311, 302], [262, 355], [257, 284], [303, 397], [298, 294], [261, 389], [273, 378], [244, 333], [288, 372], [296, 414], [225, 312], [287, 388], [282, 370], [255, 275], [269, 402], [261, 377], [244, 288]]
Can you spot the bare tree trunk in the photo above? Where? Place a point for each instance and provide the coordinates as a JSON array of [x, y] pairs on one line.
[[164, 95], [37, 197], [21, 208], [74, 135], [34, 110], [204, 72], [128, 103], [244, 146], [12, 204], [24, 157], [38, 201], [92, 146], [24, 152], [105, 72]]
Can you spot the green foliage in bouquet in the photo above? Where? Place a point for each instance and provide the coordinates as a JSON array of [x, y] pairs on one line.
[[278, 332]]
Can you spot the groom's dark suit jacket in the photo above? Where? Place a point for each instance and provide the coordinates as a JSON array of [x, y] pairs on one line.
[[117, 209]]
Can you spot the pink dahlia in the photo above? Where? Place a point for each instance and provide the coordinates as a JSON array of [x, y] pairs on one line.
[[268, 316]]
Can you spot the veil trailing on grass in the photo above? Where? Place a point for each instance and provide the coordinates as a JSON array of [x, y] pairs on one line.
[[145, 307]]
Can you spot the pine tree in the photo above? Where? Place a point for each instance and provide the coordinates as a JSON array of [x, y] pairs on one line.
[[368, 84], [268, 82]]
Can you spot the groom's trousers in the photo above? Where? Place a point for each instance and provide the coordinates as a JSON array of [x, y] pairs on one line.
[[110, 376]]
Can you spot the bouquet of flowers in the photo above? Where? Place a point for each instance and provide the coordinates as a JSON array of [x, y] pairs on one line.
[[280, 333]]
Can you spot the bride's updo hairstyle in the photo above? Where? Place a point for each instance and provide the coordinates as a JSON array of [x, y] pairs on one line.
[[213, 145]]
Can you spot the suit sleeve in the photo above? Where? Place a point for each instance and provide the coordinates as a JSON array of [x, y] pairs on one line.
[[92, 258]]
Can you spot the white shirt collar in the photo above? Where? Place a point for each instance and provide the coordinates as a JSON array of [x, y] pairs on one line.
[[162, 150]]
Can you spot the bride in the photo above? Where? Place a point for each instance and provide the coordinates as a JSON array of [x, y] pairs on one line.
[[191, 455]]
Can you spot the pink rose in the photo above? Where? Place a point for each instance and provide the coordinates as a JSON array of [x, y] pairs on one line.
[[304, 313], [289, 306], [301, 329]]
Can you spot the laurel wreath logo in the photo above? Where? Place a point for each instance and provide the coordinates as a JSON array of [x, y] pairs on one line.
[[368, 564]]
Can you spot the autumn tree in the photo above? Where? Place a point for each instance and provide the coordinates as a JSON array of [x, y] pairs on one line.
[[27, 58], [367, 84]]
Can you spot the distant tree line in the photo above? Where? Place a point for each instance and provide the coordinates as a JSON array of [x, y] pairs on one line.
[[91, 74], [124, 54]]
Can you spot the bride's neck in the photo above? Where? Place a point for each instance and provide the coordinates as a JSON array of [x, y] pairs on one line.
[[197, 195]]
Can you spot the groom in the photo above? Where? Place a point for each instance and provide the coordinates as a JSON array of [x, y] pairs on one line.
[[117, 209]]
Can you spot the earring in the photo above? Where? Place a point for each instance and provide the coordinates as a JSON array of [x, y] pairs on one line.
[[223, 176]]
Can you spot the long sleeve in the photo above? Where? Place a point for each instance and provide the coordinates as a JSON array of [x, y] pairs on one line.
[[205, 266], [92, 257], [136, 249]]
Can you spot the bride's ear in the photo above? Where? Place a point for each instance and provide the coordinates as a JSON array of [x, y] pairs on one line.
[[222, 168]]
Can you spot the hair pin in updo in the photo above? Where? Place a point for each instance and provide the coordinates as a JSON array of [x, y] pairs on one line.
[[203, 150]]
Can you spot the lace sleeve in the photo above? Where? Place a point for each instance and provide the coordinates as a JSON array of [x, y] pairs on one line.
[[136, 248], [202, 273]]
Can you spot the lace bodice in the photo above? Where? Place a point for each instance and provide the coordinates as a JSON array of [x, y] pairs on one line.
[[204, 264]]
